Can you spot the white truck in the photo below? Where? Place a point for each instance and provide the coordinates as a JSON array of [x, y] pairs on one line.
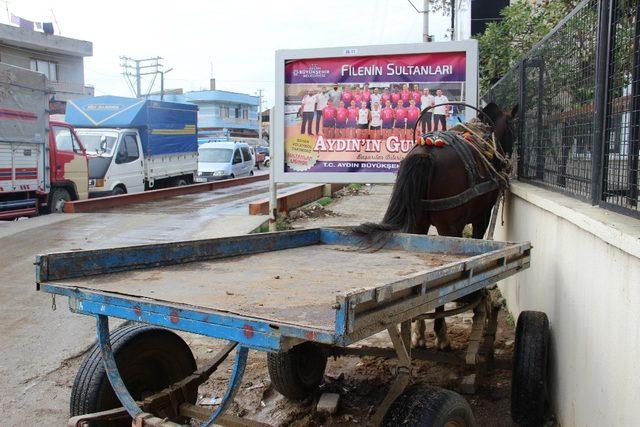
[[135, 144]]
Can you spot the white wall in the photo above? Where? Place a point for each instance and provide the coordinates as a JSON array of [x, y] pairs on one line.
[[585, 274]]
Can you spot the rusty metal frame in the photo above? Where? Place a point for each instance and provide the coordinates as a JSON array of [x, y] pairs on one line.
[[402, 346], [173, 394]]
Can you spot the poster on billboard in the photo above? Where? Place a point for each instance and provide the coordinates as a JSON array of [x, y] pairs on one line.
[[346, 115]]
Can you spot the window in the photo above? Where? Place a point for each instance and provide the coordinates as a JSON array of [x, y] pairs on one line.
[[128, 149], [214, 155], [246, 154], [65, 141], [236, 157], [49, 69], [224, 112], [237, 112]]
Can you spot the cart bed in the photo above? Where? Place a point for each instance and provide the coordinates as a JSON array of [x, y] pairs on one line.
[[317, 285], [297, 286]]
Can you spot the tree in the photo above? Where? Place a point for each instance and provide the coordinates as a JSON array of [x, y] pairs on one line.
[[523, 25]]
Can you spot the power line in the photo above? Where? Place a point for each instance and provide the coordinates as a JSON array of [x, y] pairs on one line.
[[134, 69]]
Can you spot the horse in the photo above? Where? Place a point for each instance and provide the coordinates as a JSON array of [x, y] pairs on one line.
[[433, 188]]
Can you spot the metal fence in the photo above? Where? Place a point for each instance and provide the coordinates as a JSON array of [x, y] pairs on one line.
[[579, 95]]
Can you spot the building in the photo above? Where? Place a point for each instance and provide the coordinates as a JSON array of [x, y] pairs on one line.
[[61, 59], [221, 113], [484, 12]]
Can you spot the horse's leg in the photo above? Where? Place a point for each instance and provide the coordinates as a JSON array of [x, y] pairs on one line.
[[419, 327], [440, 325], [418, 333], [480, 225], [440, 328]]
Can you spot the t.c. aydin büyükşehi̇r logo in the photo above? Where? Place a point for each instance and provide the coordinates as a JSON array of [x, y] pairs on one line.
[[312, 71]]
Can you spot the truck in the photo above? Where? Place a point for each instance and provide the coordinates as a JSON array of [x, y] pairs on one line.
[[43, 164], [136, 144]]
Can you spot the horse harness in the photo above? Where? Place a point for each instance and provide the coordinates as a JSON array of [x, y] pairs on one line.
[[465, 144]]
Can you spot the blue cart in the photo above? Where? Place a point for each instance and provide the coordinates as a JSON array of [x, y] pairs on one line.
[[300, 295]]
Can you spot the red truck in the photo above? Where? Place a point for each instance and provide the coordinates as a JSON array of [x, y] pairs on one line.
[[42, 163]]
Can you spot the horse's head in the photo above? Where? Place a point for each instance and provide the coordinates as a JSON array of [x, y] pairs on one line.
[[502, 128]]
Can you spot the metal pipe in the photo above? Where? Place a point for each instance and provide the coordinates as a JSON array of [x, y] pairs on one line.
[[634, 140], [239, 364], [110, 367], [521, 117], [600, 102], [273, 186], [425, 22]]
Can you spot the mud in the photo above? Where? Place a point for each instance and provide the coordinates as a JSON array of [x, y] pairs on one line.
[[362, 382]]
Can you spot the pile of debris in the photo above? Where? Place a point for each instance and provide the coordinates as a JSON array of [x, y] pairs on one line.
[[312, 210]]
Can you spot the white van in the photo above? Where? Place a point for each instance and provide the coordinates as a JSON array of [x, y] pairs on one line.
[[223, 160]]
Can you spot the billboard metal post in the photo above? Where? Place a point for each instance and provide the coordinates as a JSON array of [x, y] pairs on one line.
[[273, 189]]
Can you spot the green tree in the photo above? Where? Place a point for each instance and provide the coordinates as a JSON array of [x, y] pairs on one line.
[[524, 23]]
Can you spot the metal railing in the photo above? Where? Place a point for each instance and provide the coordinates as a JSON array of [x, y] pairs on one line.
[[578, 128]]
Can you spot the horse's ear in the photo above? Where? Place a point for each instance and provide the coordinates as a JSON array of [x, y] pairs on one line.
[[514, 111]]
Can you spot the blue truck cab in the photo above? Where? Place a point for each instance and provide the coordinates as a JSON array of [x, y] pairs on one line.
[[135, 144]]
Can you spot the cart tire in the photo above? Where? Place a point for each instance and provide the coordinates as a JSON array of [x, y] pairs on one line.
[[529, 378], [297, 373], [428, 406], [148, 358]]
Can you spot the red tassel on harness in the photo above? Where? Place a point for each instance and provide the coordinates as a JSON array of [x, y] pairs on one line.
[[430, 142]]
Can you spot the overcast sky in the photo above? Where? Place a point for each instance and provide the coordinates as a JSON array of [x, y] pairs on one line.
[[238, 37]]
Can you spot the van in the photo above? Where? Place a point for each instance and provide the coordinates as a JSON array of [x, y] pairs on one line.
[[223, 160]]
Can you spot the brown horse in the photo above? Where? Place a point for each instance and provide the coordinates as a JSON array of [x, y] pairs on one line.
[[435, 174]]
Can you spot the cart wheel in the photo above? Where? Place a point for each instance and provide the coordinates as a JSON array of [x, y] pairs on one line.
[[428, 406], [148, 358], [297, 373], [529, 378]]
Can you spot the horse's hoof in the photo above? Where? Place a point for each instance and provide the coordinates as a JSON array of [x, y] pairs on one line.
[[443, 345], [418, 342], [414, 341]]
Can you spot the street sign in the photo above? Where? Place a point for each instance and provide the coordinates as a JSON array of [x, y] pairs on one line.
[[346, 115]]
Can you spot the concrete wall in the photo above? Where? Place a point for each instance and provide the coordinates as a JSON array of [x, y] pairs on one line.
[[585, 274], [18, 46]]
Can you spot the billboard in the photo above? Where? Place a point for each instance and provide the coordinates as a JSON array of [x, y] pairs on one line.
[[347, 114]]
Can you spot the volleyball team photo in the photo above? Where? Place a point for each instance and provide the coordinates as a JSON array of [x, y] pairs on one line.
[[359, 114]]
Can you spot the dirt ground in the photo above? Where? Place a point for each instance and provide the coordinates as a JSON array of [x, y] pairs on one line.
[[363, 382]]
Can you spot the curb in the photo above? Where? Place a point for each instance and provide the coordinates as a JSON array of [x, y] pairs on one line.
[[93, 205], [293, 200]]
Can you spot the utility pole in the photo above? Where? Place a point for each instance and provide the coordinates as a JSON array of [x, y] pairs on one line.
[[425, 22], [138, 91], [453, 19], [260, 115], [162, 73], [134, 69], [425, 19]]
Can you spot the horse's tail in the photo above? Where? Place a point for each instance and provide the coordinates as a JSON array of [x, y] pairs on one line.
[[405, 207]]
